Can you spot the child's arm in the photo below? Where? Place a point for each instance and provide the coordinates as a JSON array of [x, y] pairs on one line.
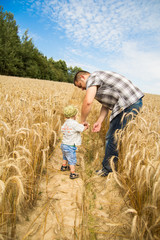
[[86, 126], [79, 127]]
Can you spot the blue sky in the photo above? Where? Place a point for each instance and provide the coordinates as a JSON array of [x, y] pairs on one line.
[[114, 35]]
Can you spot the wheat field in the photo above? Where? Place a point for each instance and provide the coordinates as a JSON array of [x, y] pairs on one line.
[[125, 205]]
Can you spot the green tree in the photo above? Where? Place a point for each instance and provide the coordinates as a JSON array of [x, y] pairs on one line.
[[29, 55], [10, 45], [19, 57]]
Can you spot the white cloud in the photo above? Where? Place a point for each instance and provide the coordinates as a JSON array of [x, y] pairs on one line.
[[142, 67], [103, 23], [74, 57], [87, 67], [120, 35]]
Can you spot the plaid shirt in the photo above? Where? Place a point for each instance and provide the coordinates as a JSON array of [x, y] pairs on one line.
[[114, 91]]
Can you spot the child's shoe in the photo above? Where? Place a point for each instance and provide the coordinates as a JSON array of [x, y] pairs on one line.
[[74, 175], [65, 168]]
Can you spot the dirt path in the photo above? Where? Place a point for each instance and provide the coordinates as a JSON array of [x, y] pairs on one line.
[[73, 209], [58, 213]]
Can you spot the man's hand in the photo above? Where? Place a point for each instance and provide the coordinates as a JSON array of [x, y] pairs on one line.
[[96, 127], [102, 116]]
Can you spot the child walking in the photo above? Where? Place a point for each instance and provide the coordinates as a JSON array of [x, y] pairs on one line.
[[71, 130]]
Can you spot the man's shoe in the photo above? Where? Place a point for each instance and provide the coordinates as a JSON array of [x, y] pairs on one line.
[[102, 172], [65, 168]]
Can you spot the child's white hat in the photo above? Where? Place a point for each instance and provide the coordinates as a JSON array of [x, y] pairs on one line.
[[70, 111]]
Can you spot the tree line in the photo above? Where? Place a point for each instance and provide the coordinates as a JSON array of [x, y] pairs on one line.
[[19, 57]]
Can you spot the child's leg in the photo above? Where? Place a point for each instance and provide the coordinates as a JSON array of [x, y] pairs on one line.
[[65, 162], [72, 168], [72, 160], [64, 166], [73, 175]]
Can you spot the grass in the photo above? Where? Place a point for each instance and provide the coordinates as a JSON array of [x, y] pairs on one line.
[[29, 128], [139, 173], [29, 133]]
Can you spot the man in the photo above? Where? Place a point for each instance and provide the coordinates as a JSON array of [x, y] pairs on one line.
[[116, 93]]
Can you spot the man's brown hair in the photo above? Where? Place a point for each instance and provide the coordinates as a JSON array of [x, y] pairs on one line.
[[78, 74]]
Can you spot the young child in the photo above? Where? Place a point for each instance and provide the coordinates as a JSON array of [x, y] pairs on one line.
[[71, 130]]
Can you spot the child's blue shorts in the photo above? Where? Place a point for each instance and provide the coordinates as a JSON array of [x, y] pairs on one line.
[[69, 153]]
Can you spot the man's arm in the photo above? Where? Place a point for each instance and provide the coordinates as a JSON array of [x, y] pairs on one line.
[[87, 102], [103, 114]]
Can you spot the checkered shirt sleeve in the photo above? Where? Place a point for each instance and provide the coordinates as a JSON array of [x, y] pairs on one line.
[[114, 91]]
